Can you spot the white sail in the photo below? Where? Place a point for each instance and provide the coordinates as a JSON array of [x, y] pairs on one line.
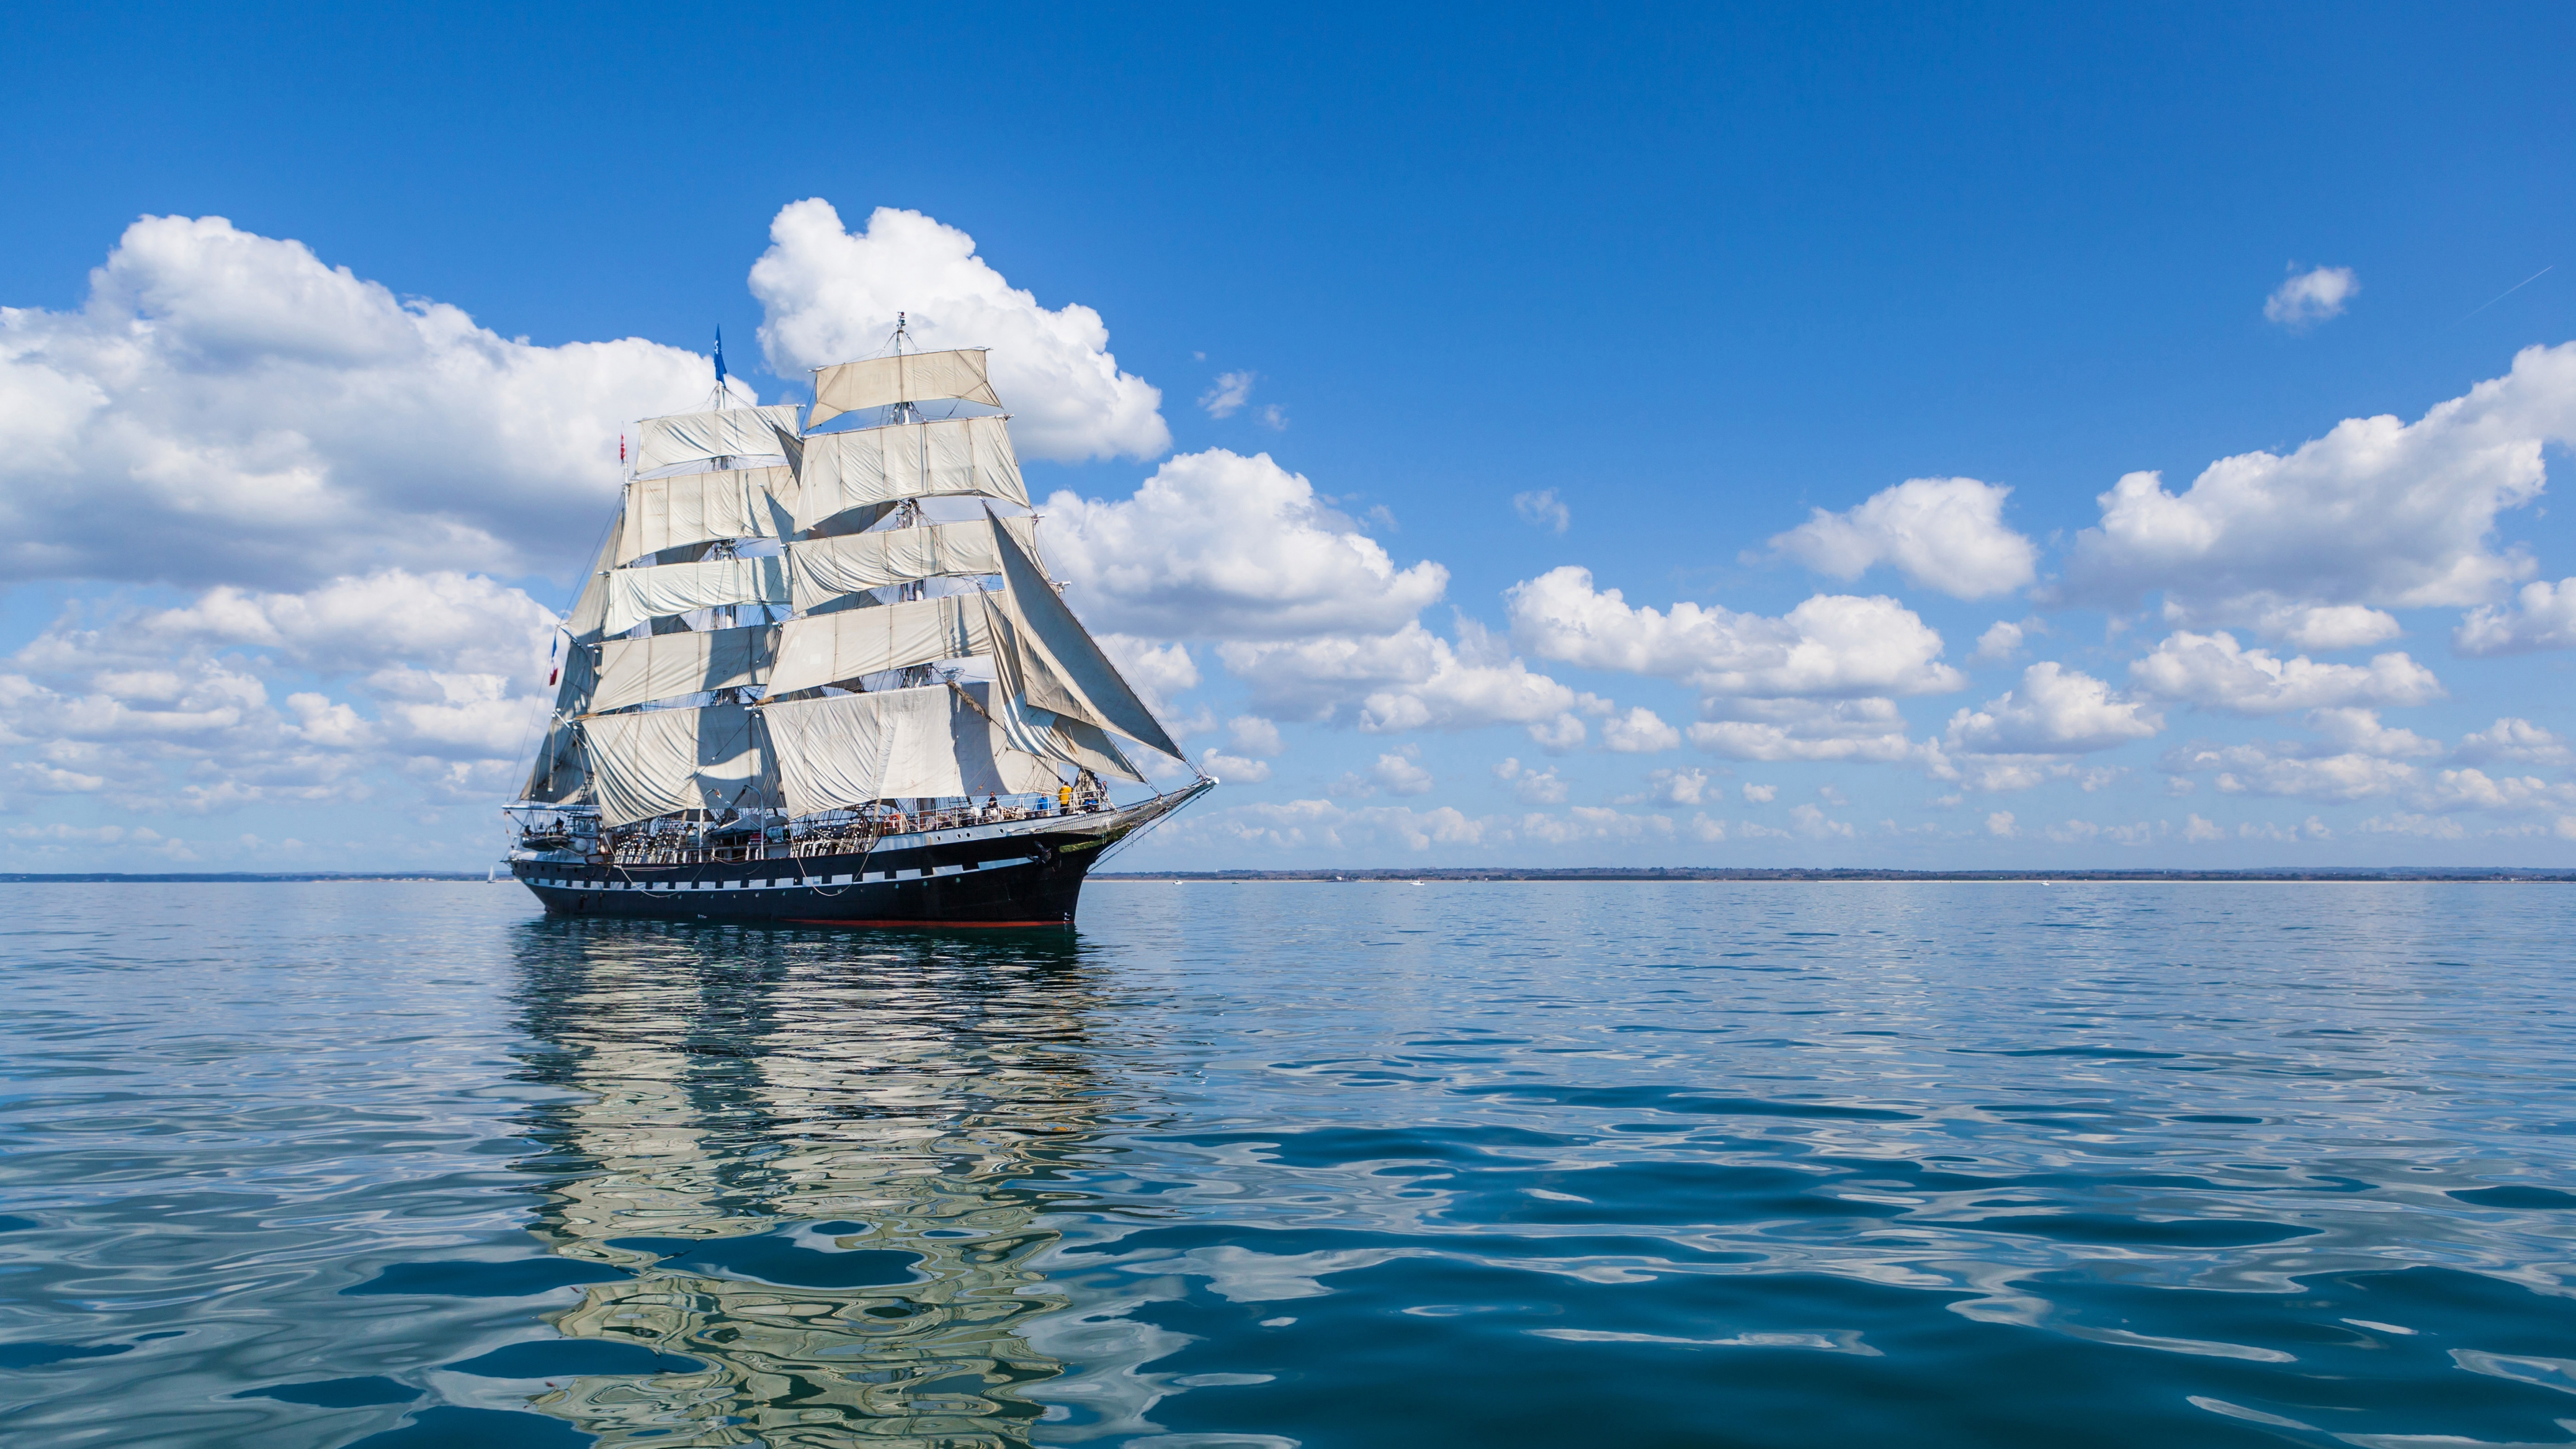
[[557, 776], [1049, 735], [687, 508], [1055, 705], [658, 761], [1077, 679], [725, 433], [951, 458], [667, 666], [911, 377], [847, 750], [635, 595], [983, 724], [590, 607], [846, 643], [828, 567]]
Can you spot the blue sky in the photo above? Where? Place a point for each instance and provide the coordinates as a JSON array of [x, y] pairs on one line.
[[1692, 274]]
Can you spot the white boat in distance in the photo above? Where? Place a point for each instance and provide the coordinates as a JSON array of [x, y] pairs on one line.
[[824, 677]]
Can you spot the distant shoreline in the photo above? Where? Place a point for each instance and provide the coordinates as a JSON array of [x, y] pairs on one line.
[[2494, 875], [109, 877]]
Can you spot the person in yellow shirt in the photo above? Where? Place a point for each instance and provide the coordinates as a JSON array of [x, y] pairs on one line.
[[1064, 799]]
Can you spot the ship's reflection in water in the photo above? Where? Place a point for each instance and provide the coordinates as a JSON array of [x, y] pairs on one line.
[[819, 1163]]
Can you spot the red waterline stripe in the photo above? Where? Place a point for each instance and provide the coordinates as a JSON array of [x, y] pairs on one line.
[[926, 925]]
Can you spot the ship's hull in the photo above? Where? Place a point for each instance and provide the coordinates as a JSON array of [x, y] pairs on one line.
[[1026, 873]]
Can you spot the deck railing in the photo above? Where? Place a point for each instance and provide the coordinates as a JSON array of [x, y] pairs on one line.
[[679, 842]]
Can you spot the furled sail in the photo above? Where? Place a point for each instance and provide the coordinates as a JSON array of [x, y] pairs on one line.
[[1077, 679], [844, 565], [950, 458], [907, 377], [635, 595], [725, 433], [667, 666], [828, 648], [846, 750], [687, 508], [657, 761]]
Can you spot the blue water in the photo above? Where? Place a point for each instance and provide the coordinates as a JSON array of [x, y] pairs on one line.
[[1697, 1163]]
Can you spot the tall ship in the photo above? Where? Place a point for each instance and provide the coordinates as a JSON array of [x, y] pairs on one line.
[[819, 673]]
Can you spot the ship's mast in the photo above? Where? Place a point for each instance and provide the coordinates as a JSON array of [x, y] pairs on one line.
[[907, 514]]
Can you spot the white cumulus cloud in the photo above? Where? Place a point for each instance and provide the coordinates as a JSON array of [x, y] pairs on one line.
[[1219, 546], [2259, 769], [1833, 645], [2310, 297], [1408, 679], [1250, 734], [1943, 533], [2216, 672], [1235, 769], [1534, 786], [2543, 616], [161, 710], [1230, 392], [2516, 740], [2325, 626], [1401, 773], [2001, 641], [2376, 513], [1544, 509], [1867, 730], [1638, 732], [2054, 711], [1675, 787], [830, 295], [228, 408]]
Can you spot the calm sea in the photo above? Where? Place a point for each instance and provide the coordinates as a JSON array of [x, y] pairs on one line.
[[1704, 1164]]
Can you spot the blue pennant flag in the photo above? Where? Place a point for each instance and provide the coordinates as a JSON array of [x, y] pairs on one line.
[[720, 357]]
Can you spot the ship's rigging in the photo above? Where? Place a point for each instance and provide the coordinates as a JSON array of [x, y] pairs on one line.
[[801, 632]]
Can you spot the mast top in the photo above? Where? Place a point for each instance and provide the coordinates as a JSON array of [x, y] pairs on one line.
[[904, 411]]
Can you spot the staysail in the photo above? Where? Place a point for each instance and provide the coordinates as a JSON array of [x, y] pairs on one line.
[[558, 774], [1080, 681]]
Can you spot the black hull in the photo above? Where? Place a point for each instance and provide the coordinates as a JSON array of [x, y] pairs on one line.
[[967, 878]]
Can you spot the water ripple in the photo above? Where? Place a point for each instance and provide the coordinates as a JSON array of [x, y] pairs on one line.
[[1281, 1164]]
